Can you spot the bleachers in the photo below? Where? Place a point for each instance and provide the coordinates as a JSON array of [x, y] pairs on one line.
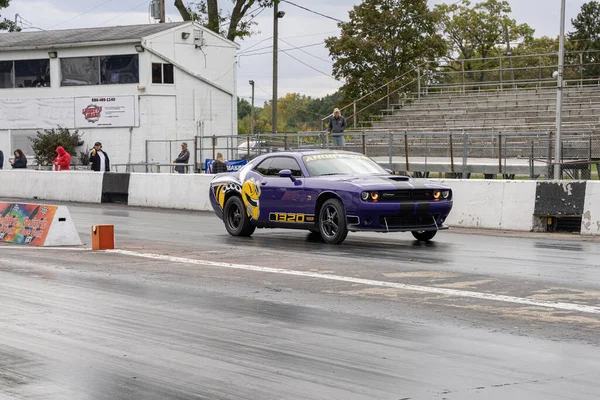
[[520, 110]]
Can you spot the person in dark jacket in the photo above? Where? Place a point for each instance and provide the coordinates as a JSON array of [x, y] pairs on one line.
[[337, 124], [182, 158], [219, 165], [1, 159], [20, 160], [99, 159]]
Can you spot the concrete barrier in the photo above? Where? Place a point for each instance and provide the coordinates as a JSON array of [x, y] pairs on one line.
[[180, 191], [590, 221], [492, 204], [77, 186]]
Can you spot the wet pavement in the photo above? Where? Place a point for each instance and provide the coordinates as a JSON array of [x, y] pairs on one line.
[[76, 324]]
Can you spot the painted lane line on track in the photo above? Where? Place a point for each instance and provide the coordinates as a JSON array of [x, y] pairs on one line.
[[369, 282]]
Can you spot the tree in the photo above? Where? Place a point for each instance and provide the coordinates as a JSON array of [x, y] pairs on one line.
[[45, 143], [382, 40], [6, 24], [477, 31], [586, 37], [210, 15], [243, 108]]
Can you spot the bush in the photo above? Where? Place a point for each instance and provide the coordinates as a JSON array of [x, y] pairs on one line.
[[45, 143]]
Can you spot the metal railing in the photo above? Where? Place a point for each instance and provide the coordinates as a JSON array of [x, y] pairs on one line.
[[534, 71]]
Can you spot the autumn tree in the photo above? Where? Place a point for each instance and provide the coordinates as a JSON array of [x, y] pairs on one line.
[[586, 37], [382, 40], [479, 31], [236, 24]]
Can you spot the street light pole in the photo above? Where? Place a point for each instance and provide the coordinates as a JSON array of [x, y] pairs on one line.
[[252, 110], [559, 93], [276, 15]]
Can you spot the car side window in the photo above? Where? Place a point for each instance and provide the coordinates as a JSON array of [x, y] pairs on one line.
[[280, 163], [263, 167]]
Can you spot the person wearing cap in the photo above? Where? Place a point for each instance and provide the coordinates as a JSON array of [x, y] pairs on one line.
[[337, 124], [99, 159], [182, 158]]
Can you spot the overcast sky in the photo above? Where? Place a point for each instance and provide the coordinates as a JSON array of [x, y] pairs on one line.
[[298, 28]]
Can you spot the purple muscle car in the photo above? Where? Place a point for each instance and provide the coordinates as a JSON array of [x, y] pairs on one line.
[[330, 192]]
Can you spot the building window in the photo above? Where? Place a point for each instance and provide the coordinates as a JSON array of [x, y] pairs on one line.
[[6, 75], [163, 73], [120, 69], [104, 70], [32, 73]]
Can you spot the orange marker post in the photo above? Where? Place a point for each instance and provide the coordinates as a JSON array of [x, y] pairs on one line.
[[103, 237]]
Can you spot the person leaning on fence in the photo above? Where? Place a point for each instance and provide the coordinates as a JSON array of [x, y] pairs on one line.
[[182, 158], [99, 159], [337, 124], [20, 160], [219, 165]]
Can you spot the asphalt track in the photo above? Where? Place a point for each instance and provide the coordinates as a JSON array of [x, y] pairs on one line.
[[184, 311]]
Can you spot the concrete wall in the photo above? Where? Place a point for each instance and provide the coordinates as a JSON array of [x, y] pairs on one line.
[[180, 191], [590, 223], [77, 186], [492, 204]]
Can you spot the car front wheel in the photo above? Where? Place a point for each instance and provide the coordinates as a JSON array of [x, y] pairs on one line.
[[236, 218], [424, 236], [332, 222]]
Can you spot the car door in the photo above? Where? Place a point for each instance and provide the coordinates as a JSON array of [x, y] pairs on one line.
[[282, 199]]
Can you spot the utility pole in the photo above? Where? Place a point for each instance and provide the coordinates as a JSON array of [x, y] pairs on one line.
[[276, 15], [162, 11], [559, 94], [509, 55], [252, 110]]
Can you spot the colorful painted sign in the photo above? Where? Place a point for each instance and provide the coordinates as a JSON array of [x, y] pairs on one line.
[[111, 111], [26, 224]]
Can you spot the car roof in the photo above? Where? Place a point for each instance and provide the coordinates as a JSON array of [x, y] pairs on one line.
[[311, 152]]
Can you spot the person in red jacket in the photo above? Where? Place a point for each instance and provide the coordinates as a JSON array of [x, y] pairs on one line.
[[63, 161]]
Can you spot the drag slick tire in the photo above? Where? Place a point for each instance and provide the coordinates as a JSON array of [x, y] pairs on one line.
[[332, 222], [236, 218], [424, 236]]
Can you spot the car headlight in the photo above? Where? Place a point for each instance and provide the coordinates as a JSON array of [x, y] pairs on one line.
[[445, 194], [370, 196], [437, 194]]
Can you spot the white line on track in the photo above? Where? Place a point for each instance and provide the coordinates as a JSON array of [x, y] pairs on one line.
[[370, 282]]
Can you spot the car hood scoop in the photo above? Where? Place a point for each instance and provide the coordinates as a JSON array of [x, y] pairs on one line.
[[399, 178]]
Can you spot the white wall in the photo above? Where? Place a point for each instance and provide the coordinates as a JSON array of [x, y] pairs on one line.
[[492, 204], [77, 186], [590, 222], [181, 191]]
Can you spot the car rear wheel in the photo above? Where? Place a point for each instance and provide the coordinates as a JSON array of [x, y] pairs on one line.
[[424, 236], [236, 218], [332, 222]]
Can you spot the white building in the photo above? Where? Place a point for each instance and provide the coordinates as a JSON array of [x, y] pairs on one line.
[[121, 86]]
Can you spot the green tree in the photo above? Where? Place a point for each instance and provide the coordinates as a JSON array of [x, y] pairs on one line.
[[586, 37], [236, 24], [6, 24], [382, 40], [479, 31], [44, 144], [244, 108]]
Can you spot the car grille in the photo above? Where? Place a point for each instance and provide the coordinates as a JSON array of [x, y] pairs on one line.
[[399, 195], [395, 222]]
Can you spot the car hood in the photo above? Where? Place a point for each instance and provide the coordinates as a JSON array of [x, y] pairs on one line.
[[384, 182]]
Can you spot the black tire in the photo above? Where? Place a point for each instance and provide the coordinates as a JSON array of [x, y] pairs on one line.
[[424, 236], [332, 222], [236, 218]]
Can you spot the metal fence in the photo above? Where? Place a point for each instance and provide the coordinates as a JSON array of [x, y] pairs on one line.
[[452, 154]]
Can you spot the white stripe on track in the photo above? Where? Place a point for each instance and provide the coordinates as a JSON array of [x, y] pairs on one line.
[[370, 282]]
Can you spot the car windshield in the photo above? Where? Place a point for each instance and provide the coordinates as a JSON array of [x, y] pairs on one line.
[[341, 164]]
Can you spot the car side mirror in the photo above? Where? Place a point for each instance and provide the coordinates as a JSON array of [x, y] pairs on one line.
[[286, 173]]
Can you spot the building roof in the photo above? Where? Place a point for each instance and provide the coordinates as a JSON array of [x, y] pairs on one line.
[[50, 39]]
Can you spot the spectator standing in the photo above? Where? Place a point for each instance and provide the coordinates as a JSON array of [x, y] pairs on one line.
[[99, 159], [62, 162], [337, 124], [20, 160], [1, 159], [182, 158], [219, 165]]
